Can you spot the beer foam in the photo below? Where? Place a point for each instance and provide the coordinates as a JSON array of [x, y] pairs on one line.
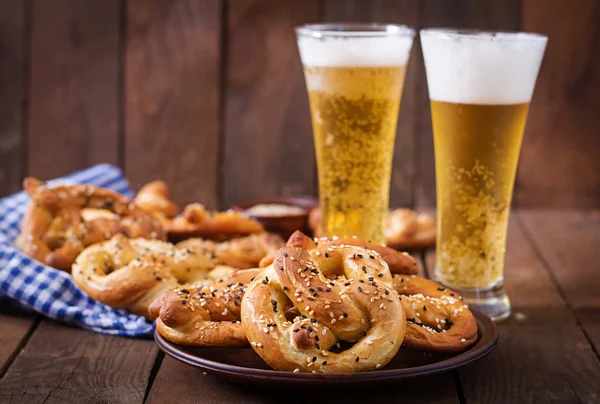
[[356, 49], [481, 68]]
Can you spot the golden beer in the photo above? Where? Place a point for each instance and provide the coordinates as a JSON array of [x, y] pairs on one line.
[[354, 115], [476, 154], [480, 85], [354, 81]]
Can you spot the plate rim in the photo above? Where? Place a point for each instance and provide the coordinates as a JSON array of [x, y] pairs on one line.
[[254, 374]]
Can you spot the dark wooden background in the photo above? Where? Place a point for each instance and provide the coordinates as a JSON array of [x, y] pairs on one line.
[[209, 95]]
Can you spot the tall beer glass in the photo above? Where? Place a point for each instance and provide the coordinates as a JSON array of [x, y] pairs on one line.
[[480, 86], [354, 76]]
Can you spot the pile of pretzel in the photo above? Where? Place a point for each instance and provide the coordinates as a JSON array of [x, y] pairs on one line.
[[62, 221], [310, 305]]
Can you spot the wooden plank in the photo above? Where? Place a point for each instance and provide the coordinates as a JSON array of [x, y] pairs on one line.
[[12, 94], [559, 164], [568, 243], [433, 389], [347, 11], [172, 101], [475, 14], [63, 364], [397, 12], [16, 326], [543, 355], [175, 377], [268, 147], [73, 117]]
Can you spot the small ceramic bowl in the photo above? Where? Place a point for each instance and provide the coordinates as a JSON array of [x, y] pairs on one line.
[[279, 221]]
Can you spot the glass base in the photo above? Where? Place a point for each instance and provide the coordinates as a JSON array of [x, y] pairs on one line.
[[494, 302]]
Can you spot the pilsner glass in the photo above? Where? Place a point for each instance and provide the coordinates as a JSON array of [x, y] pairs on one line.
[[354, 76], [480, 86]]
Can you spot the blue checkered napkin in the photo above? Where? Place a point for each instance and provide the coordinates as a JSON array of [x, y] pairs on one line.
[[48, 290]]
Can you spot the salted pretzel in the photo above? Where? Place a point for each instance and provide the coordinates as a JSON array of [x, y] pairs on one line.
[[243, 252], [61, 221], [398, 262], [131, 273], [195, 220], [205, 315], [438, 319], [154, 197], [335, 300], [405, 229]]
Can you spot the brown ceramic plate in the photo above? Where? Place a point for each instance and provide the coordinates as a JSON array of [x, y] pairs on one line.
[[244, 365]]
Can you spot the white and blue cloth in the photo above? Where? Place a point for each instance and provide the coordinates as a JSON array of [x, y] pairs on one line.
[[52, 292]]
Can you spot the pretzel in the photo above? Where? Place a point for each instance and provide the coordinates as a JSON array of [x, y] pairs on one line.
[[336, 302], [400, 263], [244, 252], [405, 229], [423, 332], [154, 197], [61, 221], [438, 319], [206, 315], [195, 221], [131, 273]]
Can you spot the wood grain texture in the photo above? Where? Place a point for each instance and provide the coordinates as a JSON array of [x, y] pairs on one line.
[[432, 389], [268, 147], [568, 245], [74, 86], [557, 367], [347, 11], [542, 356], [13, 54], [474, 14], [174, 377], [403, 12], [16, 326], [172, 100], [61, 364], [559, 164]]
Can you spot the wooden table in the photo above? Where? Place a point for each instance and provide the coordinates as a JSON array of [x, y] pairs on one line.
[[548, 350]]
